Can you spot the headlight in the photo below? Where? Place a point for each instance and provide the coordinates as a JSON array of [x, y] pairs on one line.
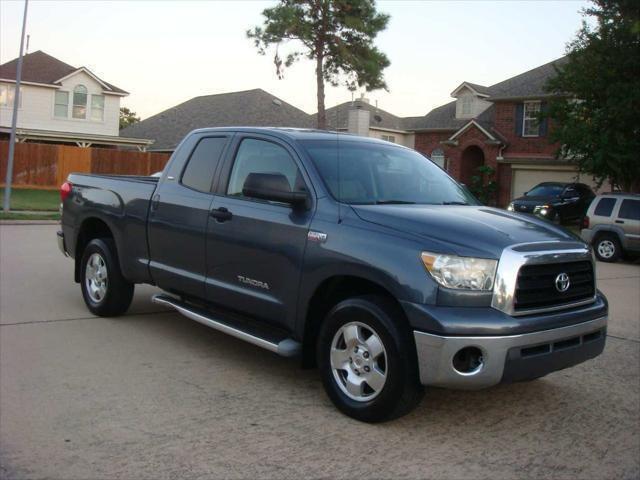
[[463, 273], [510, 207], [541, 209]]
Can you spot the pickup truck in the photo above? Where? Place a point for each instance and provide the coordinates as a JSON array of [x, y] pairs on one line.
[[358, 256]]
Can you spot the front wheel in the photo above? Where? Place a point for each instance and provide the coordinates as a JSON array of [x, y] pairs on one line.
[[367, 360], [105, 291]]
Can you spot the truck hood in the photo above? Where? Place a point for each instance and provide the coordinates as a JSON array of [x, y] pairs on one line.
[[464, 230]]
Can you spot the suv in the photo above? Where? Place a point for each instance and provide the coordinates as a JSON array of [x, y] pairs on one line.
[[612, 225], [558, 202]]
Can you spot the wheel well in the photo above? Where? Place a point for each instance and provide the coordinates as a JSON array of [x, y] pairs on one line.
[[91, 228], [329, 293], [606, 233]]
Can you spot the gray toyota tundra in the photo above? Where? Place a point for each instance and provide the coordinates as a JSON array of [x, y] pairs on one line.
[[359, 256]]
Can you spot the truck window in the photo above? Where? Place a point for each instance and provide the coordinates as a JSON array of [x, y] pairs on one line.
[[630, 209], [203, 163], [260, 156], [605, 207]]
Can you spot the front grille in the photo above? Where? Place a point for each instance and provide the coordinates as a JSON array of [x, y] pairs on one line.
[[536, 285], [524, 208]]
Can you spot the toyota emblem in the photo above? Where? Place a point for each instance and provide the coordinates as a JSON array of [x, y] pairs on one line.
[[562, 282]]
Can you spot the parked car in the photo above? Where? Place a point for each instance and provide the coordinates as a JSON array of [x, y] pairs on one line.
[[558, 202], [361, 256], [612, 225]]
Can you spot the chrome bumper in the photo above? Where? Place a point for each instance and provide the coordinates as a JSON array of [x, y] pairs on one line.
[[436, 353], [61, 245]]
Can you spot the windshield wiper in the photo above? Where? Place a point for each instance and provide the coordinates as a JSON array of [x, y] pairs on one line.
[[455, 203], [394, 202]]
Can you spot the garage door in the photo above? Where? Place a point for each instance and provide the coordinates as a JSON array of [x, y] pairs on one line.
[[525, 180]]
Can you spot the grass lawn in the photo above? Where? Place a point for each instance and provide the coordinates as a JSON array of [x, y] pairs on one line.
[[28, 216], [27, 199]]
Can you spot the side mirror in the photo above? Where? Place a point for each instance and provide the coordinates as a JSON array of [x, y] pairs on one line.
[[273, 187]]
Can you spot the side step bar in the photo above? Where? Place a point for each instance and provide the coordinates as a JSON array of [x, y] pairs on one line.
[[287, 347]]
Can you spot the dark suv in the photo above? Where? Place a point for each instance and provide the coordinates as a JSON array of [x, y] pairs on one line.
[[555, 201]]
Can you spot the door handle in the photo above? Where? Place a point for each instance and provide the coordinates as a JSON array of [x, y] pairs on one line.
[[619, 221], [155, 202], [221, 214]]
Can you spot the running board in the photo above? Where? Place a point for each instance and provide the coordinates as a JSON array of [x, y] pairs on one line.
[[287, 347]]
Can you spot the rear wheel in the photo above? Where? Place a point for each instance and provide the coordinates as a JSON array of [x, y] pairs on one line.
[[367, 360], [607, 248], [105, 291]]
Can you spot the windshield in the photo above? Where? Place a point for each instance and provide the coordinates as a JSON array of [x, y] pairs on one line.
[[371, 173], [545, 191]]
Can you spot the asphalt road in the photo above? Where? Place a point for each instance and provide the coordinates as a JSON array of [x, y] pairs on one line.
[[154, 395]]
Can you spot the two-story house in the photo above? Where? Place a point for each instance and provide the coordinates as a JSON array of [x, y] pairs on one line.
[[498, 126], [60, 103]]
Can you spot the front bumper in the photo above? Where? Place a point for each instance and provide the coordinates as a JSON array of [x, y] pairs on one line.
[[508, 358], [61, 244]]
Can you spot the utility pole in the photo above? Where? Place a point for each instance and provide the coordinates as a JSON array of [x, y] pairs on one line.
[[14, 119]]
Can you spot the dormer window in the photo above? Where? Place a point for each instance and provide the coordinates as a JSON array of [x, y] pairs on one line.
[[467, 105], [80, 102]]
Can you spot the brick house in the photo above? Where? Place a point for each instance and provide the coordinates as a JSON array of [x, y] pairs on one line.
[[497, 126]]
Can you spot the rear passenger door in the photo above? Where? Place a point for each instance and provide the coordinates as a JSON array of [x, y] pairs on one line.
[[254, 255], [629, 220], [179, 215]]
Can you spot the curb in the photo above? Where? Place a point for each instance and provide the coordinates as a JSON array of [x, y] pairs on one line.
[[29, 222]]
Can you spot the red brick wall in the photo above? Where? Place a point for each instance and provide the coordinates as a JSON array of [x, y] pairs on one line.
[[530, 147]]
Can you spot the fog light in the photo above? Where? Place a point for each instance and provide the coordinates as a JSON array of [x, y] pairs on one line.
[[468, 361], [543, 211]]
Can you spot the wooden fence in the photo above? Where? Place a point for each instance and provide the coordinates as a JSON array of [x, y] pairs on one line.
[[39, 165]]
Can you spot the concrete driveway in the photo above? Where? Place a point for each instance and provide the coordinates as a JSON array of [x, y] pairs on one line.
[[154, 395]]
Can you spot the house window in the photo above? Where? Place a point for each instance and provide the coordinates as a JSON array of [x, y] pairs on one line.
[[7, 96], [437, 157], [467, 104], [97, 107], [388, 138], [531, 119], [80, 102], [61, 108]]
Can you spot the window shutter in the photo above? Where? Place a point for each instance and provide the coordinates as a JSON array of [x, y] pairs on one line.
[[544, 120], [519, 118]]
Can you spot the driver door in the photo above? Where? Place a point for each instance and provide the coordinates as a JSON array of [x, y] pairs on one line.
[[255, 252]]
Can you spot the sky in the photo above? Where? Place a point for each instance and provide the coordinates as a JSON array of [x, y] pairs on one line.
[[167, 52]]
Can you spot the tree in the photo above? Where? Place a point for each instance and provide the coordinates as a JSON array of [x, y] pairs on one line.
[[483, 185], [127, 117], [337, 34], [597, 95]]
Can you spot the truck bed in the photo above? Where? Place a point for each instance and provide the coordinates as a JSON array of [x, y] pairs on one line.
[[122, 203]]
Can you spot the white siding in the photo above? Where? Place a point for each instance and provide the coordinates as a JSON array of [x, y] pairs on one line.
[[477, 104], [36, 111], [406, 139]]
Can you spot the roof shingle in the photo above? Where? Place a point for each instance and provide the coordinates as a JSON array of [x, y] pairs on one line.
[[250, 108], [40, 67]]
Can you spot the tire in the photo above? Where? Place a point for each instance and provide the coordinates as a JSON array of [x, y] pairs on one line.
[[607, 248], [105, 291], [369, 322]]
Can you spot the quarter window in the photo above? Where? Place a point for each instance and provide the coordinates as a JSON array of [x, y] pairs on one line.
[[604, 207], [259, 156], [630, 209], [203, 163], [61, 108], [531, 119], [97, 107], [80, 102]]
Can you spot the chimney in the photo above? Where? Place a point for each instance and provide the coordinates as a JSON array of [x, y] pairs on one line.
[[358, 120]]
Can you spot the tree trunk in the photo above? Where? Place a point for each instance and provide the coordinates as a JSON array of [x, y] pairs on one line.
[[322, 115]]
